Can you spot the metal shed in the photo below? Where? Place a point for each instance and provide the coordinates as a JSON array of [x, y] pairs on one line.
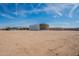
[[39, 27]]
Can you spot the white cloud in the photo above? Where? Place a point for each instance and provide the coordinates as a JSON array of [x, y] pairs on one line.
[[16, 13], [7, 16], [48, 9], [77, 21], [54, 8], [73, 10], [6, 10], [58, 9], [4, 6]]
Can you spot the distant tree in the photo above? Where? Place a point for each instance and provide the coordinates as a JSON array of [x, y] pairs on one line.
[[7, 28]]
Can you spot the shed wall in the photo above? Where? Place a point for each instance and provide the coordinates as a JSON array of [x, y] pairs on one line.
[[34, 27]]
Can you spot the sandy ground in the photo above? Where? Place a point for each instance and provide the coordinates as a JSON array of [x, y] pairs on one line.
[[39, 43]]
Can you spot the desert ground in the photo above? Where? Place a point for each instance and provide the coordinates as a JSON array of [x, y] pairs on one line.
[[39, 43]]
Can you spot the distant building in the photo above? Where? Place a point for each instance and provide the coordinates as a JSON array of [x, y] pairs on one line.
[[39, 27]]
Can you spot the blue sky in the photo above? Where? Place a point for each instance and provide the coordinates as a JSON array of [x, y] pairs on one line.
[[25, 14]]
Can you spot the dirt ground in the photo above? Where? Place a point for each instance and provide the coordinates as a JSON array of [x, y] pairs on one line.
[[39, 43]]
